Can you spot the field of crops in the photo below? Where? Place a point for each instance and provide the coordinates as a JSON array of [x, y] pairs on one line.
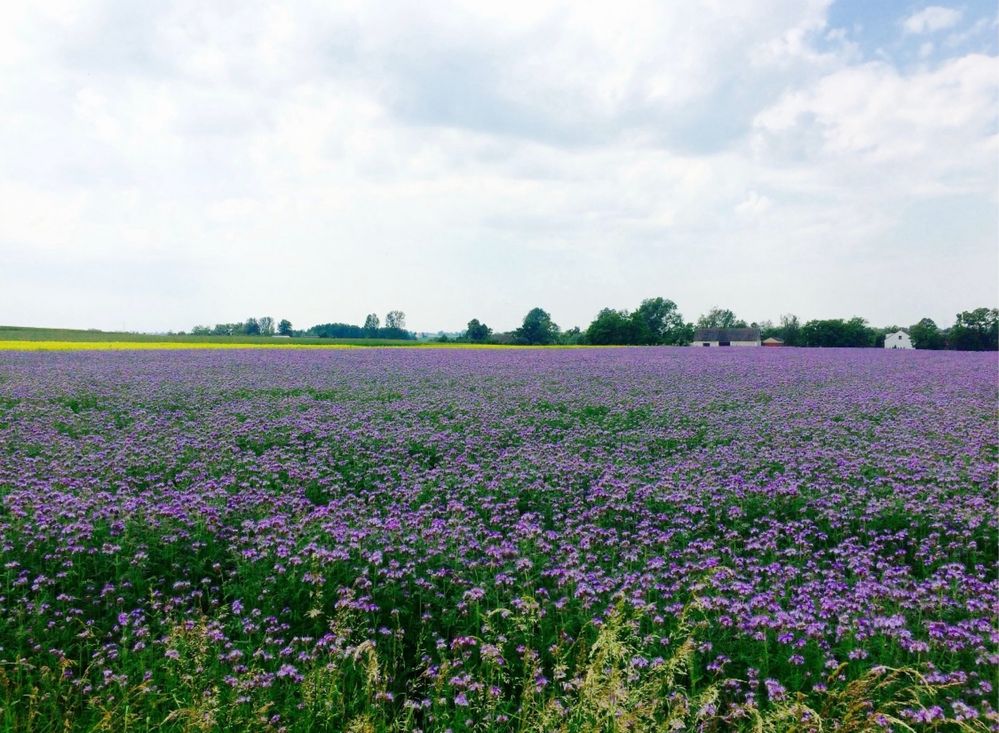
[[545, 540], [22, 338]]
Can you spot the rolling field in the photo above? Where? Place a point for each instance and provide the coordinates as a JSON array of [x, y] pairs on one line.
[[22, 338], [594, 540], [17, 338]]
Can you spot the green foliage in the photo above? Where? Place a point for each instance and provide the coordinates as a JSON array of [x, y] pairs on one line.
[[837, 332], [264, 326], [15, 333], [396, 320], [926, 335], [720, 318], [614, 327], [349, 331], [657, 321], [572, 337], [661, 322], [789, 330], [599, 688], [976, 330], [537, 328], [477, 332], [284, 327]]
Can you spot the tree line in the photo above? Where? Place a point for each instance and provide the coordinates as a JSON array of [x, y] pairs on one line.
[[658, 321], [263, 326], [974, 330], [394, 328]]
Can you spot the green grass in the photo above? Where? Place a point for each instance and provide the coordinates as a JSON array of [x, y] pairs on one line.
[[24, 338], [25, 333]]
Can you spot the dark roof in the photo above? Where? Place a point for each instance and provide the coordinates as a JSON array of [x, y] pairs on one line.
[[727, 334]]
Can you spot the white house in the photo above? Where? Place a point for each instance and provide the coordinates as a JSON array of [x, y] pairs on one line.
[[726, 337], [898, 340]]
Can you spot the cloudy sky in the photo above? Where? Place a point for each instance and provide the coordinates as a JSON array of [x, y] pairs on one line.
[[166, 164]]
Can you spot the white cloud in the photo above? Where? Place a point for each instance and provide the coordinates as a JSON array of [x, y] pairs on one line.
[[931, 19], [471, 159], [753, 205], [943, 119]]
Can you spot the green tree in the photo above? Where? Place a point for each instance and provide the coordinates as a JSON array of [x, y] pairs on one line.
[[371, 325], [660, 322], [720, 318], [284, 327], [266, 326], [251, 327], [614, 327], [537, 328], [976, 330], [926, 335], [859, 334], [572, 337], [837, 332], [477, 332], [395, 319], [790, 330]]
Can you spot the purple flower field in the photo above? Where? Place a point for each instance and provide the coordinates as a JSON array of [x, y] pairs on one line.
[[422, 539]]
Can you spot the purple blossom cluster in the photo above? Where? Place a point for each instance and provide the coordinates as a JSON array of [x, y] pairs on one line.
[[264, 513]]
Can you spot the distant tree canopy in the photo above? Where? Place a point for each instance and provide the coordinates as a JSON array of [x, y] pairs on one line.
[[336, 331], [826, 333], [926, 335], [395, 328], [477, 332], [837, 332], [976, 330], [368, 330], [789, 330], [660, 322], [657, 321], [572, 337], [537, 328], [395, 319], [613, 327], [720, 318], [263, 326]]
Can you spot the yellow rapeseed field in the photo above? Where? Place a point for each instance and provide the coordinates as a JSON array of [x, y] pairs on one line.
[[130, 345], [17, 345]]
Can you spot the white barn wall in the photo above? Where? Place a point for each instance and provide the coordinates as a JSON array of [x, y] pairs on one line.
[[898, 340]]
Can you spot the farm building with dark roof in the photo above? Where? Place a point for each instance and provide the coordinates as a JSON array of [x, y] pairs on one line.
[[727, 337]]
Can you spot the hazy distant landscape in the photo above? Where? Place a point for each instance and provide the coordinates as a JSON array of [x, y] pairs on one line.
[[656, 322]]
